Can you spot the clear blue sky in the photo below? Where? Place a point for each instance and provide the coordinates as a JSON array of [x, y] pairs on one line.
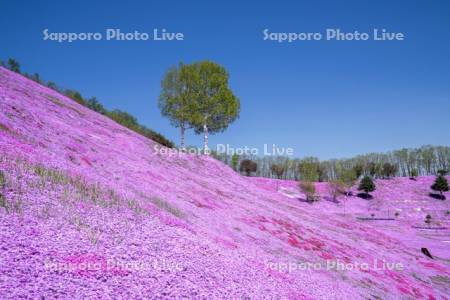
[[322, 98]]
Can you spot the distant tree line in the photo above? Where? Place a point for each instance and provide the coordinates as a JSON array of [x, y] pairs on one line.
[[425, 160], [117, 115]]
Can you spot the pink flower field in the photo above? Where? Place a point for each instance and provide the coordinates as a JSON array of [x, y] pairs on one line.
[[90, 209]]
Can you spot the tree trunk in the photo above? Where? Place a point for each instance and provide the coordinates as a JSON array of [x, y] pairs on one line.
[[205, 143], [182, 130]]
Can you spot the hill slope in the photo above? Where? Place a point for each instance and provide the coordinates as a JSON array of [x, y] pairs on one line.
[[91, 209]]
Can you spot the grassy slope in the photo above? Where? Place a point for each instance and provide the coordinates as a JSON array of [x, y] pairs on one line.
[[80, 188]]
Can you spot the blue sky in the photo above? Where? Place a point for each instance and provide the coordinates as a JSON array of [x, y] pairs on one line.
[[322, 98]]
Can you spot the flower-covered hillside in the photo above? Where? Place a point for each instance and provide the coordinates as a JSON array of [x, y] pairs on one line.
[[89, 209]]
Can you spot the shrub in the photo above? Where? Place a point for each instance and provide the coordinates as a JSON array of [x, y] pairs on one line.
[[248, 166], [76, 96], [95, 105], [348, 178], [367, 185], [413, 174], [308, 188], [440, 185], [336, 187], [442, 172], [155, 136]]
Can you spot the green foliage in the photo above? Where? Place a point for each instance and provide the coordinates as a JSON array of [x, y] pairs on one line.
[[76, 96], [358, 169], [247, 166], [367, 185], [309, 189], [95, 105], [124, 118], [35, 77], [13, 65], [440, 185], [389, 170], [155, 136], [215, 105], [234, 161], [348, 178], [442, 172], [129, 121], [197, 96], [414, 173], [374, 169], [176, 101], [309, 169]]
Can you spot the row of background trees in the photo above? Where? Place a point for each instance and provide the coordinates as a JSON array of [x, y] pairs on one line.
[[187, 96], [412, 162], [119, 116]]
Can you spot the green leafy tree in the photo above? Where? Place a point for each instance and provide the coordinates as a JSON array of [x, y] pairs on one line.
[[367, 185], [440, 185], [215, 106], [13, 65], [309, 169], [248, 166], [235, 161], [176, 101], [348, 177]]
